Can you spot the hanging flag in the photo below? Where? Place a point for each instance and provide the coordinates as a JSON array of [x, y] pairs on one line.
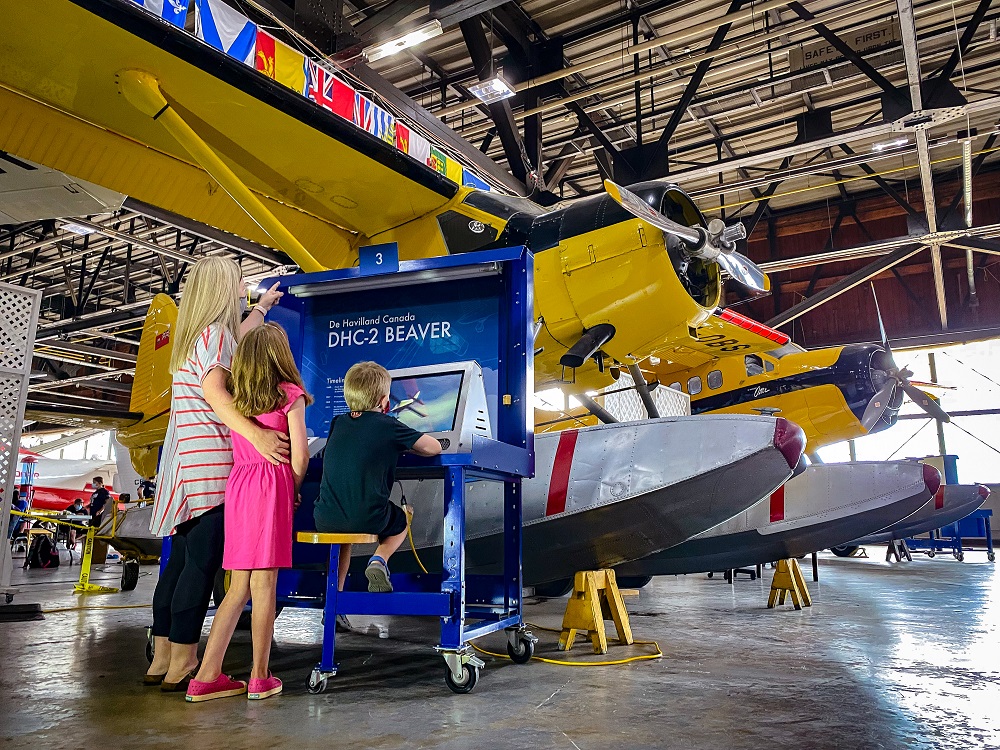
[[471, 180], [278, 61], [328, 91], [226, 29], [374, 119], [402, 137], [438, 160], [172, 11], [454, 171], [419, 148]]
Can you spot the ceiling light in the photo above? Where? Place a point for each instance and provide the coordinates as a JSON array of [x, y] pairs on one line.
[[890, 144], [398, 44], [69, 226], [492, 90]]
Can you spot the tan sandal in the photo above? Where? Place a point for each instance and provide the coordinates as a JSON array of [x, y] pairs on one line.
[[152, 680], [182, 686]]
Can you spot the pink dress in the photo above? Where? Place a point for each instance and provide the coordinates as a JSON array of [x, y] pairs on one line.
[[260, 499]]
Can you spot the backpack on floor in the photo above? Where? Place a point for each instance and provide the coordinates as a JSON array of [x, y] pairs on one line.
[[43, 553]]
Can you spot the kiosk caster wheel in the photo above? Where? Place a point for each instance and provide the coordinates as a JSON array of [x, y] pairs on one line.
[[316, 684], [991, 556], [960, 556], [10, 597], [470, 676], [519, 654], [931, 553]]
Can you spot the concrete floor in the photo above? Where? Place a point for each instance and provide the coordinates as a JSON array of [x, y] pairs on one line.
[[888, 657]]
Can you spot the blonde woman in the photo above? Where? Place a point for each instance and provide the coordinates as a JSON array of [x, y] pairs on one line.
[[197, 458]]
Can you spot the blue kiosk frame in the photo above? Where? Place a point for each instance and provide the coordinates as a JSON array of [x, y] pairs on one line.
[[484, 603]]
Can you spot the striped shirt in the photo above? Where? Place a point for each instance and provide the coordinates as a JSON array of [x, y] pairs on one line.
[[197, 451]]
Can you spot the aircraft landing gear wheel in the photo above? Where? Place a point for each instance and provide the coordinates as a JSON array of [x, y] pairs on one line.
[[633, 582], [844, 550], [470, 676], [130, 574], [519, 654], [316, 684]]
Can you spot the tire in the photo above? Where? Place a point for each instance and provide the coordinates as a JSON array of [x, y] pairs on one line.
[[467, 685], [522, 653], [315, 685], [130, 574], [845, 550], [554, 589], [219, 588], [633, 582]]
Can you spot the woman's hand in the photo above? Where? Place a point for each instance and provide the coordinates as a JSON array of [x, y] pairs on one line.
[[270, 298], [272, 445]]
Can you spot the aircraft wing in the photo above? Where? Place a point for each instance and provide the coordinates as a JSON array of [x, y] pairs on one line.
[[726, 333], [76, 417], [326, 180]]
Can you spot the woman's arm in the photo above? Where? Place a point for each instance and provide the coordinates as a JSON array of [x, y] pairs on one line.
[[299, 440], [270, 444], [267, 300]]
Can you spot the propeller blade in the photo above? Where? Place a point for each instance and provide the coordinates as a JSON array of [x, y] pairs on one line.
[[744, 270], [736, 265], [881, 326], [925, 402], [877, 406], [923, 384]]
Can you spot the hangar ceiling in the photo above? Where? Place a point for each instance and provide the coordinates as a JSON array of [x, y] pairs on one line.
[[825, 126]]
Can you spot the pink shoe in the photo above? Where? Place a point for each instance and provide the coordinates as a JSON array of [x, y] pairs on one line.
[[222, 686], [261, 689]]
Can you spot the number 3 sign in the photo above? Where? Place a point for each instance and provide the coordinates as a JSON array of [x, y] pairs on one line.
[[373, 259]]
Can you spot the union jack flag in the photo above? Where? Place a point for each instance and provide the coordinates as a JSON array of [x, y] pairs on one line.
[[328, 91], [374, 119]]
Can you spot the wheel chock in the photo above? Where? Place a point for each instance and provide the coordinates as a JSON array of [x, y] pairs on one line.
[[595, 598], [789, 581]]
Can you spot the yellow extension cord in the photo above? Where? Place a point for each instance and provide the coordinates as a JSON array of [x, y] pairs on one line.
[[546, 660]]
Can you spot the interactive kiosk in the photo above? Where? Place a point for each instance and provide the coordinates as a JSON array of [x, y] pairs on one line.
[[455, 333]]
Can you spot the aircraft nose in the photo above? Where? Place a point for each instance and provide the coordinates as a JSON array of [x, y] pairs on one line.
[[790, 440], [932, 478]]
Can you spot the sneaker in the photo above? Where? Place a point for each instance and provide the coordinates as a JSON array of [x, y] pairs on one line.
[[377, 574], [222, 686], [261, 689]]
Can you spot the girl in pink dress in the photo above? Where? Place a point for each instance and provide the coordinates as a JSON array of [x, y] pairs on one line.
[[260, 501]]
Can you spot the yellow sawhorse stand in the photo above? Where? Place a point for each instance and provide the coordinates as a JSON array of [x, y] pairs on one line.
[[84, 586], [788, 581], [595, 598]]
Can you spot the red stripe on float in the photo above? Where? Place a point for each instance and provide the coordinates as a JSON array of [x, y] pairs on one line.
[[778, 504], [559, 483], [939, 498]]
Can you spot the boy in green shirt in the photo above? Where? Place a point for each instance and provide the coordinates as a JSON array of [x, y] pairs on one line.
[[359, 466]]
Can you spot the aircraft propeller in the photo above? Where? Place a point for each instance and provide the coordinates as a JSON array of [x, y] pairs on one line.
[[716, 243], [896, 377]]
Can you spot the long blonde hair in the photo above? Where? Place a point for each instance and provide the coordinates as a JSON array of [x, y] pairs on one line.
[[263, 361], [211, 295]]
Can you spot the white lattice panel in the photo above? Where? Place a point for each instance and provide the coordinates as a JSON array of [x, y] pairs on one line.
[[626, 406], [18, 323]]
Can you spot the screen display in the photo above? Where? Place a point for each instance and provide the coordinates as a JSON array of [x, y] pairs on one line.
[[428, 403]]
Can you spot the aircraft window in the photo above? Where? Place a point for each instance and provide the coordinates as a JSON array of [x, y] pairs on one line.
[[755, 365], [677, 387], [768, 365], [694, 386], [463, 234], [502, 206], [715, 379]]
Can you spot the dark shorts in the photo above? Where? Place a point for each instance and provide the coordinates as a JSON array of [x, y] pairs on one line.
[[396, 524]]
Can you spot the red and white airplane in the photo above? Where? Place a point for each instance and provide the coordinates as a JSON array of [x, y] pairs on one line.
[[56, 482]]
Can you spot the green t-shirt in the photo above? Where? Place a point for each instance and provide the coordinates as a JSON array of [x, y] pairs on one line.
[[359, 468]]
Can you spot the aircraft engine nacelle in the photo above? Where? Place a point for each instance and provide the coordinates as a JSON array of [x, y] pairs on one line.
[[598, 265]]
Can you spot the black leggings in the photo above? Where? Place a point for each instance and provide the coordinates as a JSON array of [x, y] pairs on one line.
[[180, 601]]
